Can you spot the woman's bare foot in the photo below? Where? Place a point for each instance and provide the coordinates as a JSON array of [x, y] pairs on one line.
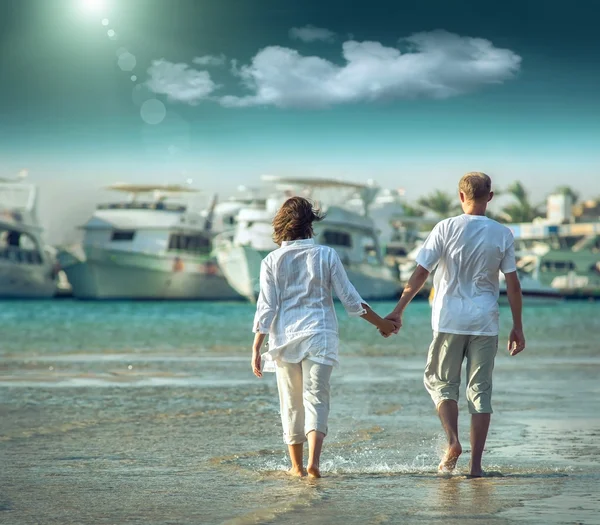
[[299, 472], [448, 464], [313, 471]]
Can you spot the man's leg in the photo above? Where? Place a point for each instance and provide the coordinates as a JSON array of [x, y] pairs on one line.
[[448, 412], [480, 424], [289, 384], [442, 381], [316, 379], [481, 354]]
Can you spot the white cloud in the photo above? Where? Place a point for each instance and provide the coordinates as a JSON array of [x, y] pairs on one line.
[[311, 33], [210, 60], [179, 82], [435, 64]]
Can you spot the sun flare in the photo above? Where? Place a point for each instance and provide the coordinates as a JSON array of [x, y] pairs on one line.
[[94, 6]]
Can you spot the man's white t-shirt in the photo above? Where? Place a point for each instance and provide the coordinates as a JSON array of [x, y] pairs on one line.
[[469, 251]]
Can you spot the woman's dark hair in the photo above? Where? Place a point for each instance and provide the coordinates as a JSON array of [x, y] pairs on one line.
[[294, 220]]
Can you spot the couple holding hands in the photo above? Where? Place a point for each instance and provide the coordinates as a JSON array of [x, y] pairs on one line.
[[295, 309]]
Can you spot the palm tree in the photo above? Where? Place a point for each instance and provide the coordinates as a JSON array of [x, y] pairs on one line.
[[567, 190], [522, 210], [440, 203], [412, 211], [499, 217]]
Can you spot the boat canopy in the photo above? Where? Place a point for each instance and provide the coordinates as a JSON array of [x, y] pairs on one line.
[[150, 188], [315, 182]]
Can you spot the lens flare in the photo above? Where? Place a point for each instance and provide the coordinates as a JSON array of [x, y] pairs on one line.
[[93, 6]]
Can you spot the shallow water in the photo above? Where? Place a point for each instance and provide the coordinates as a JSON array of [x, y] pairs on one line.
[[147, 413]]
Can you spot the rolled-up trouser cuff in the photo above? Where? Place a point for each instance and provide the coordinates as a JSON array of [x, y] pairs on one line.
[[294, 440]]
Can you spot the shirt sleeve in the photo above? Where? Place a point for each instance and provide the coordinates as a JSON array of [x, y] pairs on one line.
[[266, 306], [509, 262], [343, 288], [431, 252]]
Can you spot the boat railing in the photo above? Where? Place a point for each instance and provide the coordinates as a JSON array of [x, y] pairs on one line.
[[224, 238], [160, 206], [19, 255]]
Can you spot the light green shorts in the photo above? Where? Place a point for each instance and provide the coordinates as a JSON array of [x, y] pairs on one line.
[[444, 363]]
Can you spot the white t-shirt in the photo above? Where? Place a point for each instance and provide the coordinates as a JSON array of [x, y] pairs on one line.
[[469, 252]]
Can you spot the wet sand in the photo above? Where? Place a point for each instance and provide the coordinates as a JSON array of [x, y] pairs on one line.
[[188, 436]]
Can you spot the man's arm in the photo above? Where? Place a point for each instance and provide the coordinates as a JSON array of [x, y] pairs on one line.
[[412, 288], [516, 340], [427, 259]]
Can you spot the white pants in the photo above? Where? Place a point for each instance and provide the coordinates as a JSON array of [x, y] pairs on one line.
[[304, 399]]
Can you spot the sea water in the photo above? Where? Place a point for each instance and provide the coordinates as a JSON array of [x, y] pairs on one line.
[[125, 412]]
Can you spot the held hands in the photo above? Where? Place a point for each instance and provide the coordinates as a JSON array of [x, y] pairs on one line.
[[390, 325], [516, 341]]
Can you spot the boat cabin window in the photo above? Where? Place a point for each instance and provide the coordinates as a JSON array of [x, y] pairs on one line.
[[395, 250], [557, 266], [333, 238], [19, 247], [123, 235], [191, 243]]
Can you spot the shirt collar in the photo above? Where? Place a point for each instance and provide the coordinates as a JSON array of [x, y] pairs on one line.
[[475, 217], [299, 242]]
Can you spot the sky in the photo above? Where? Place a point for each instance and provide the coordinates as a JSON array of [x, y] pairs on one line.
[[410, 94]]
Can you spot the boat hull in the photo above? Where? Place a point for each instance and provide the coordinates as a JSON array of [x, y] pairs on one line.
[[20, 281], [533, 297], [108, 274]]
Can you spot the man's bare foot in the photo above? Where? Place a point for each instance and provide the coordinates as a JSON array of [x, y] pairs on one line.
[[475, 472], [297, 471], [448, 464], [313, 472]]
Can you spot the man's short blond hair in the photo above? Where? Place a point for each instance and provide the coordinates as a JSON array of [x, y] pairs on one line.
[[475, 185]]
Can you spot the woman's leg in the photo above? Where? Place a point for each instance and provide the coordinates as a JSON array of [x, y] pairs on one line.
[[316, 379], [289, 384]]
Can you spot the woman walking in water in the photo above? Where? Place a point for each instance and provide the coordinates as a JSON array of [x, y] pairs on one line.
[[295, 308]]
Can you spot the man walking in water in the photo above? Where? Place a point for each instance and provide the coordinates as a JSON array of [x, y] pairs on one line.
[[469, 251]]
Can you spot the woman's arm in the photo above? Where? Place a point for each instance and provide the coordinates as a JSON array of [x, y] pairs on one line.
[[266, 309], [267, 304], [385, 326], [352, 301], [259, 340]]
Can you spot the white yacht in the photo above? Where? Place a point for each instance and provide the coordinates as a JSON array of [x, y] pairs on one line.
[[27, 269], [153, 246], [353, 235]]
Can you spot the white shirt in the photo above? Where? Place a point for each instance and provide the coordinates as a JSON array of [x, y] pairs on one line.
[[295, 304], [469, 252]]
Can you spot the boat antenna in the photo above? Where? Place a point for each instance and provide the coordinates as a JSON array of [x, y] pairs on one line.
[[208, 223]]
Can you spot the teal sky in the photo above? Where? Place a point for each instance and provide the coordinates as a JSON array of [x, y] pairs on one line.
[[521, 105]]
